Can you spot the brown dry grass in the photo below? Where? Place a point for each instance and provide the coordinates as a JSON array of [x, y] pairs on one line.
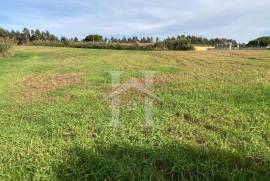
[[33, 87]]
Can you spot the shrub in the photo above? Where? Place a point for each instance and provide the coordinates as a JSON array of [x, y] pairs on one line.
[[95, 45], [180, 44], [6, 47], [176, 44]]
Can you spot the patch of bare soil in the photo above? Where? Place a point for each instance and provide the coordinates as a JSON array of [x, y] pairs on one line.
[[34, 86]]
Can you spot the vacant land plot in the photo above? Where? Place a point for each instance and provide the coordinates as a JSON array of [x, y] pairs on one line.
[[212, 121]]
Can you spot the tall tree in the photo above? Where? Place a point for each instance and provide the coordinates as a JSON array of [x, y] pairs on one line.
[[93, 38]]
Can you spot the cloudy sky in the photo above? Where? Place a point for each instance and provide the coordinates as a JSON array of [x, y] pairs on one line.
[[238, 19]]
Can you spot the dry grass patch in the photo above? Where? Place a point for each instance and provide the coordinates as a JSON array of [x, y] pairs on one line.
[[34, 86], [6, 47], [177, 77]]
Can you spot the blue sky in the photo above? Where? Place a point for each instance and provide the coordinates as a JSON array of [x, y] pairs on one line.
[[238, 19]]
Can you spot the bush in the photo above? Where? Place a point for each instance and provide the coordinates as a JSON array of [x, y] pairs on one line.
[[177, 44], [95, 45], [6, 47], [166, 45]]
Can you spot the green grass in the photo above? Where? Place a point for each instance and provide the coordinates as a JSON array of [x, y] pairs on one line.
[[212, 124]]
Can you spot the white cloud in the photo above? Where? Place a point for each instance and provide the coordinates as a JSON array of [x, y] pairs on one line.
[[238, 19]]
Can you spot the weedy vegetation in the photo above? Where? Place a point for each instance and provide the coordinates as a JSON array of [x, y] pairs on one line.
[[212, 123], [6, 47]]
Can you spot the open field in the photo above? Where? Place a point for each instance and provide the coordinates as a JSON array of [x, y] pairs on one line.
[[212, 123]]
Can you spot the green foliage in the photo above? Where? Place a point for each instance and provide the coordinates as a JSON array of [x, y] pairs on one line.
[[26, 36], [6, 47], [260, 42], [180, 43], [94, 38], [96, 45]]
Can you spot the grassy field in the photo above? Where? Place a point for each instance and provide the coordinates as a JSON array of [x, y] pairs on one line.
[[212, 123]]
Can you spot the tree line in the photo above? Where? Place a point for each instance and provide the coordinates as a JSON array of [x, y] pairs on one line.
[[179, 42], [25, 36], [133, 39], [260, 42]]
